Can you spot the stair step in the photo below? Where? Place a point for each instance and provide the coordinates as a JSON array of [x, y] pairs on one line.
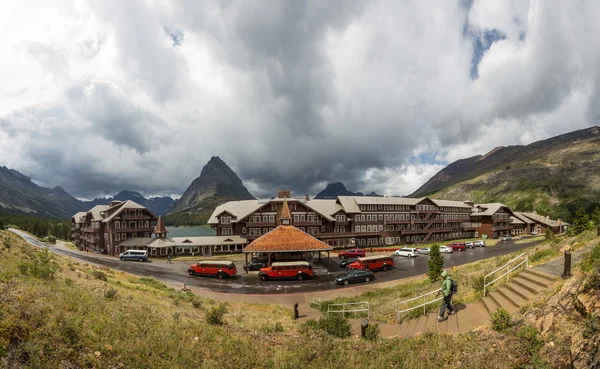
[[410, 329], [421, 323], [540, 274], [542, 282], [503, 301], [526, 284], [490, 304], [403, 328], [511, 296], [452, 323], [519, 290], [432, 324]]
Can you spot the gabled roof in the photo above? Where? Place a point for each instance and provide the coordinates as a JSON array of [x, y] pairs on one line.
[[522, 217], [125, 205], [489, 209], [286, 239], [77, 217], [325, 208], [515, 220], [542, 219], [96, 210], [184, 241], [376, 200], [450, 203], [239, 209], [349, 204]]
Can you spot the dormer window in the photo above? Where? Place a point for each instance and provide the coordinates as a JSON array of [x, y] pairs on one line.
[[274, 207], [225, 220], [293, 206]]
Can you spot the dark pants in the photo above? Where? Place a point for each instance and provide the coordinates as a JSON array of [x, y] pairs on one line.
[[446, 304]]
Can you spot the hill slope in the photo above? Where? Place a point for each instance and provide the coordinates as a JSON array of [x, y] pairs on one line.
[[216, 185], [552, 176]]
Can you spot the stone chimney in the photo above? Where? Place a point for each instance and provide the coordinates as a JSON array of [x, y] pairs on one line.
[[306, 197], [283, 194]]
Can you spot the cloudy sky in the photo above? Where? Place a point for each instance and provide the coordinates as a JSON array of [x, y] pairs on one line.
[[100, 96]]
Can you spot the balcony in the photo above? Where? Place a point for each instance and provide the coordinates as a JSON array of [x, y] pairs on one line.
[[135, 217], [396, 221], [89, 229], [307, 223], [339, 223], [337, 235], [254, 224], [414, 231], [436, 211], [502, 228], [74, 235], [127, 230]]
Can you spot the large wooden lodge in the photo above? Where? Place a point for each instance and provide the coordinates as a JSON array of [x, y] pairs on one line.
[[372, 221]]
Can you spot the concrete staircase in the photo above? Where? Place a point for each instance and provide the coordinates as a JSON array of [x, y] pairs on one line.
[[518, 291]]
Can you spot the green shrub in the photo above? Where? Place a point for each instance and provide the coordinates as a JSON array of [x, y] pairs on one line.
[[549, 236], [197, 303], [215, 315], [335, 325], [542, 254], [41, 266], [69, 282], [275, 328], [311, 325], [151, 282], [110, 293], [501, 319], [8, 243], [478, 284], [529, 339], [372, 332], [99, 275]]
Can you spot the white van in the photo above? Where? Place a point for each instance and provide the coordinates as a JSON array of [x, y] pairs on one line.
[[407, 251], [140, 255]]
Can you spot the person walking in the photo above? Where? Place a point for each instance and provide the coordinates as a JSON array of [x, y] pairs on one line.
[[169, 259], [447, 299]]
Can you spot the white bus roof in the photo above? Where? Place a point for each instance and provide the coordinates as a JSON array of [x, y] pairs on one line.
[[367, 258], [286, 263], [217, 262]]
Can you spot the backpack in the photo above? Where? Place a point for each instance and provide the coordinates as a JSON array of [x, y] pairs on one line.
[[453, 287]]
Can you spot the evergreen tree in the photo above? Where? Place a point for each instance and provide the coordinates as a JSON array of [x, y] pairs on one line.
[[435, 263], [595, 217], [581, 221]]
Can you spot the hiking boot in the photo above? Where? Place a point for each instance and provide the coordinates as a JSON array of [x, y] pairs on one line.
[[440, 318], [452, 313]]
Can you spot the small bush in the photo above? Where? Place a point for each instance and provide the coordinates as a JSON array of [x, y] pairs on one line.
[[542, 254], [372, 332], [215, 315], [197, 303], [276, 328], [8, 243], [110, 293], [478, 284], [151, 282], [529, 339], [99, 275], [41, 266], [69, 282], [501, 319], [335, 325], [311, 325]]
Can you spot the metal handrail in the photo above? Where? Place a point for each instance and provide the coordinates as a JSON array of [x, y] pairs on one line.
[[315, 301], [424, 304], [344, 310], [508, 270]]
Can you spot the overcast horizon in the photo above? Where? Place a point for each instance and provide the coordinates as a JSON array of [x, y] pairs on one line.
[[103, 96]]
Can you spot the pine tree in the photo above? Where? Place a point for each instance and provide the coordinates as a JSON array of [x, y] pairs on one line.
[[435, 263], [595, 217], [581, 221]]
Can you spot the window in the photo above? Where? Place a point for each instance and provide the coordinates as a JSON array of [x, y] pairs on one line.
[[274, 207], [322, 229], [380, 216], [368, 218], [302, 218], [296, 218], [368, 228], [134, 235], [293, 206], [131, 224], [123, 236], [147, 224], [363, 228], [357, 229], [272, 218], [146, 235], [117, 237], [117, 225], [225, 220], [342, 229], [244, 230], [381, 227]]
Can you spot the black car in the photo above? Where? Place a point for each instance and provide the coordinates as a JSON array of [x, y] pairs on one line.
[[354, 276], [345, 262], [255, 265]]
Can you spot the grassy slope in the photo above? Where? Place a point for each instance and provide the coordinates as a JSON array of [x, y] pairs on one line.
[[554, 184], [67, 321]]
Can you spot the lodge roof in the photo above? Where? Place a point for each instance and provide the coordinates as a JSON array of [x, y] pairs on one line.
[[286, 239], [160, 226], [184, 241], [77, 217], [542, 219], [490, 209]]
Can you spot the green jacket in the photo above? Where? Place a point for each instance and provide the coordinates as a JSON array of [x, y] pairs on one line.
[[447, 286]]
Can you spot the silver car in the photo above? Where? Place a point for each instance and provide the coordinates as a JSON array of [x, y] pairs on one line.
[[424, 251], [445, 249], [479, 243]]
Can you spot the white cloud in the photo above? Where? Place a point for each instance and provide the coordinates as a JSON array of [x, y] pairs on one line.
[[98, 96]]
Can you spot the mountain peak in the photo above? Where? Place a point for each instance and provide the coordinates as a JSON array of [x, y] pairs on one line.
[[128, 195], [335, 189]]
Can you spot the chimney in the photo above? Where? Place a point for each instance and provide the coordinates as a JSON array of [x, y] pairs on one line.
[[114, 203], [306, 197], [283, 194]]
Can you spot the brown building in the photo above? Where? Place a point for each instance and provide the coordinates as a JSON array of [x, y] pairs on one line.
[[494, 219], [350, 220], [539, 223], [104, 227]]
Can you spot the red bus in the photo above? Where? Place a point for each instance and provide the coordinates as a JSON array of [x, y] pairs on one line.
[[217, 268], [286, 270], [373, 263]]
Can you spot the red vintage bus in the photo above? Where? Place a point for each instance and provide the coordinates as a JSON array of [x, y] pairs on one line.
[[217, 268], [287, 270], [373, 263]]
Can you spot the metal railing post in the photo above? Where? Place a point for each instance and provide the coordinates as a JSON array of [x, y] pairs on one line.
[[507, 266], [424, 305]]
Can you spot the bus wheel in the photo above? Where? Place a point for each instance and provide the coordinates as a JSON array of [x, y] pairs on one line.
[[220, 276], [263, 277], [191, 273], [300, 277], [385, 268]]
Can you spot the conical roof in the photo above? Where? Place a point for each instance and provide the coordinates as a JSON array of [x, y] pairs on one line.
[[286, 239], [285, 211], [160, 226]]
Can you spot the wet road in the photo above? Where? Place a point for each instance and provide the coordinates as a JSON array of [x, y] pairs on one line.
[[250, 284]]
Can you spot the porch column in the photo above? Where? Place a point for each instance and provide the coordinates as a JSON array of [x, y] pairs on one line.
[[246, 261]]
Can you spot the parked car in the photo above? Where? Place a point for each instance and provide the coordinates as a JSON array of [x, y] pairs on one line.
[[354, 276], [353, 253], [287, 270], [139, 255], [346, 262], [424, 251], [220, 269], [407, 251], [507, 238], [263, 257], [373, 263], [255, 265], [533, 233], [479, 243], [445, 249], [470, 244], [460, 246]]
